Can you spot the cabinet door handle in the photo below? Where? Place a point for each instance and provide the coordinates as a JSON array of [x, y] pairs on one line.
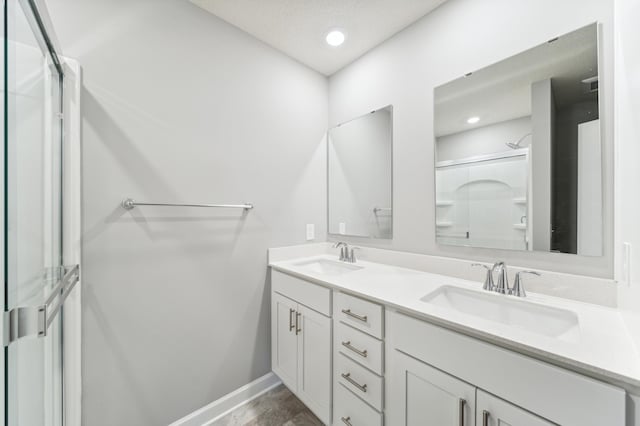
[[485, 418], [461, 404], [291, 326], [346, 420], [347, 377], [298, 329], [362, 318], [351, 348]]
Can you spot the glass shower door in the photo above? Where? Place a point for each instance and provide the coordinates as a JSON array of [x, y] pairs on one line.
[[32, 222]]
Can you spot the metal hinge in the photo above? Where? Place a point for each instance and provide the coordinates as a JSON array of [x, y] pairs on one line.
[[25, 321], [33, 321]]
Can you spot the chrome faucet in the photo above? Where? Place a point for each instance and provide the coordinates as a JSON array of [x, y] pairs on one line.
[[344, 250], [351, 255], [502, 286], [346, 254]]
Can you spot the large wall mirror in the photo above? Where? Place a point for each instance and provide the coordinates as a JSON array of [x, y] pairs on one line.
[[360, 176], [519, 151]]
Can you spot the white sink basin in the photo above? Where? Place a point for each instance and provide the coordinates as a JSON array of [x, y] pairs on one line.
[[508, 311], [327, 267]]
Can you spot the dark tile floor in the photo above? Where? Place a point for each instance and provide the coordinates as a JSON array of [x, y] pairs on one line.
[[278, 407]]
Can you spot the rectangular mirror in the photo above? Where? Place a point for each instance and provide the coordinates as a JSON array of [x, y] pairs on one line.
[[360, 176], [519, 151]]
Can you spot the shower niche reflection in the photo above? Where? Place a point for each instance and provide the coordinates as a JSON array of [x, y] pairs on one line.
[[519, 151]]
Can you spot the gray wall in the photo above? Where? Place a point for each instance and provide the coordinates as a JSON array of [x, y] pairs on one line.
[[543, 124], [458, 37], [179, 106]]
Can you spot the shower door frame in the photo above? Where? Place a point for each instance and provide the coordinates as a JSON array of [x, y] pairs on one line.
[[71, 128]]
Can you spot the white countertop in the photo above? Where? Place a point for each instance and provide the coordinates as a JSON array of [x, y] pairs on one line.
[[605, 348]]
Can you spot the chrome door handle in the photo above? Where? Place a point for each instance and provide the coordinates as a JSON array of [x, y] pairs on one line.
[[298, 329], [362, 318], [347, 345], [346, 421], [291, 326], [348, 378], [461, 404], [485, 418]]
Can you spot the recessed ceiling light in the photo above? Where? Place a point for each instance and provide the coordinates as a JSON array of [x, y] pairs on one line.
[[335, 38], [473, 120]]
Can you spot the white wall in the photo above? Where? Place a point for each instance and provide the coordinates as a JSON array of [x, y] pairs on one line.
[[458, 37], [180, 106], [483, 140], [628, 150]]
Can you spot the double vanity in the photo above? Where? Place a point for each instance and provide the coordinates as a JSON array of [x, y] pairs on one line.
[[522, 169], [367, 343]]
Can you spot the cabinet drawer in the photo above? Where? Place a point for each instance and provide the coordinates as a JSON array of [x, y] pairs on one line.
[[362, 382], [360, 347], [359, 313], [350, 410], [311, 295]]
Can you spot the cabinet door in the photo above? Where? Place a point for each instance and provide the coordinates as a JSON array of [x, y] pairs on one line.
[[314, 362], [494, 411], [422, 395], [284, 346]]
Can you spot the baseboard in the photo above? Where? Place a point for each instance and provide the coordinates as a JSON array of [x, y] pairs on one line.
[[219, 408]]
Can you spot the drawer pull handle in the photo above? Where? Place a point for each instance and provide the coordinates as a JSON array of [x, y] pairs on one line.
[[351, 348], [362, 318], [485, 418], [298, 328], [346, 420], [291, 326], [461, 404], [348, 378]]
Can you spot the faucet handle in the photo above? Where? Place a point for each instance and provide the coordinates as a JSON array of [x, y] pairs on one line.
[[488, 281], [518, 286], [352, 254]]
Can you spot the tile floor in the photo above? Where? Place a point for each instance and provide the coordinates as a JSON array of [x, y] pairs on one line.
[[278, 407]]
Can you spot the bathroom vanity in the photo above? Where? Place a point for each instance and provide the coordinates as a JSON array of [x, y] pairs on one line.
[[370, 344]]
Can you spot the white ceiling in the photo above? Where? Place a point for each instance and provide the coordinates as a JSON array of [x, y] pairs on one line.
[[298, 27]]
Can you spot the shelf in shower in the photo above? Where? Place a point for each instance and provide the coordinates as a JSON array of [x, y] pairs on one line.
[[444, 224], [520, 201], [444, 203], [521, 226]]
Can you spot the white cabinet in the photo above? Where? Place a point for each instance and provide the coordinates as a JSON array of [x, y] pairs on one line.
[[494, 411], [358, 361], [284, 349], [301, 348], [352, 411], [431, 368], [314, 361], [429, 396]]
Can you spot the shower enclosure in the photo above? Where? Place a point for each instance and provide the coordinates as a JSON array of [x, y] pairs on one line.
[[40, 269]]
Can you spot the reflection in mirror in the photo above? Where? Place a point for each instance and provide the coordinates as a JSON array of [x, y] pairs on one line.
[[519, 151], [359, 176]]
